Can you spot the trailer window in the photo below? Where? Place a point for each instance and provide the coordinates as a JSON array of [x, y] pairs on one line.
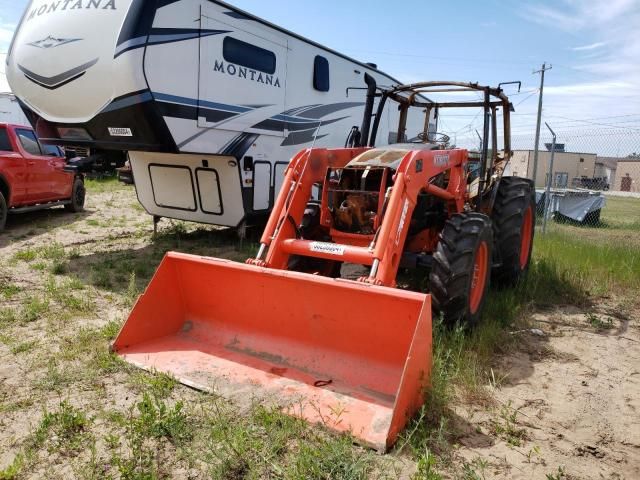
[[321, 74], [5, 144], [250, 56], [29, 141]]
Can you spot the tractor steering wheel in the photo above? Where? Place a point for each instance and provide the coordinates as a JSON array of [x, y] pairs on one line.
[[438, 138]]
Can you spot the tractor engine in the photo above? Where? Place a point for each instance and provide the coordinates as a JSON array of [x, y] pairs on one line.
[[356, 198]]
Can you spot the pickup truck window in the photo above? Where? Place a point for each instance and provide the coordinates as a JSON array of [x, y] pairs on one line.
[[29, 141], [52, 150], [5, 144]]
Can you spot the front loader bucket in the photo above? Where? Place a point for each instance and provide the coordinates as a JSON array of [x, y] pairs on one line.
[[351, 356]]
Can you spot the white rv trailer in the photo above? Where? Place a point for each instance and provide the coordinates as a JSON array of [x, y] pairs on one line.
[[209, 101]]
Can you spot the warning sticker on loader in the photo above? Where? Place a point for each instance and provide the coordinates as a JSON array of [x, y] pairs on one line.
[[330, 248]]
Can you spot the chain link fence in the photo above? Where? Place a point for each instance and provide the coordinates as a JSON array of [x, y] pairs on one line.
[[591, 179]]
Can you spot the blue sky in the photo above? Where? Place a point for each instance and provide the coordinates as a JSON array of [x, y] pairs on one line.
[[593, 45]]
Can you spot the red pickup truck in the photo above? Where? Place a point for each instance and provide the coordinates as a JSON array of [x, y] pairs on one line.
[[34, 176]]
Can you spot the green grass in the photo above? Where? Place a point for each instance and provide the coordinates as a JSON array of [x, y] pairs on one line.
[[59, 267], [91, 347], [506, 427], [619, 224], [54, 379], [621, 213], [13, 470], [24, 347], [150, 418], [33, 308], [62, 430], [8, 290], [597, 322], [64, 293], [7, 316], [26, 255], [55, 251], [559, 474], [600, 267], [102, 185], [159, 384], [266, 443]]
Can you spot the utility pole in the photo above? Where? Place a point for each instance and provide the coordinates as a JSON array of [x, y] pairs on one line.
[[544, 68]]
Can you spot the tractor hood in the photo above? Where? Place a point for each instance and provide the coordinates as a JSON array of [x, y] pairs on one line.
[[390, 156]]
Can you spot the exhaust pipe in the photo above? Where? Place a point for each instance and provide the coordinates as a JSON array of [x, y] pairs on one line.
[[368, 109]]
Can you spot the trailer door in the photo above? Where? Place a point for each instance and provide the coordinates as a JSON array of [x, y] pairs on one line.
[[242, 78]]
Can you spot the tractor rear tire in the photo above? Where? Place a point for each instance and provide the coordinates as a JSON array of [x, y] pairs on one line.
[[461, 271], [513, 229]]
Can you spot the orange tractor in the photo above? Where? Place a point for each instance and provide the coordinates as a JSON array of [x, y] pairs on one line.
[[353, 355]]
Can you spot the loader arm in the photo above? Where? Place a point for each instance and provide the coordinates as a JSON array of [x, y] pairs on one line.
[[306, 168], [384, 252]]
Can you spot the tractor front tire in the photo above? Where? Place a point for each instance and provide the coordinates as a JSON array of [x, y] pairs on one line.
[[513, 228], [461, 271]]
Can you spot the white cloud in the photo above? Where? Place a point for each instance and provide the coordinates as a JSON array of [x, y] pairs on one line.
[[607, 67], [6, 34], [610, 88], [551, 17], [4, 85], [592, 46], [577, 15]]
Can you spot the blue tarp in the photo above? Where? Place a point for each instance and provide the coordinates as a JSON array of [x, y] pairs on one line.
[[574, 204]]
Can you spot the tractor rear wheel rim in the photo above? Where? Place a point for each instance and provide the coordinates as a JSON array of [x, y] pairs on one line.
[[479, 277], [526, 232]]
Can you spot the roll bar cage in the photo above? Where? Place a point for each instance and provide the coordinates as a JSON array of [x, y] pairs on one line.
[[415, 95]]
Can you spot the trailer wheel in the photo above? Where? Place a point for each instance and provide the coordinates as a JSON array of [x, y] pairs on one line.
[[3, 211], [460, 276], [513, 229], [78, 194]]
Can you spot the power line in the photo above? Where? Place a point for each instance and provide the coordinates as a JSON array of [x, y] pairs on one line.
[[522, 93], [454, 59], [526, 98], [572, 122]]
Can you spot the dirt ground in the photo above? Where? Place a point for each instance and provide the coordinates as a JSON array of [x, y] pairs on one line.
[[565, 403], [570, 395]]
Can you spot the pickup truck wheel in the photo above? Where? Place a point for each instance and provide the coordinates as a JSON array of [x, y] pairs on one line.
[[3, 211], [77, 197]]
